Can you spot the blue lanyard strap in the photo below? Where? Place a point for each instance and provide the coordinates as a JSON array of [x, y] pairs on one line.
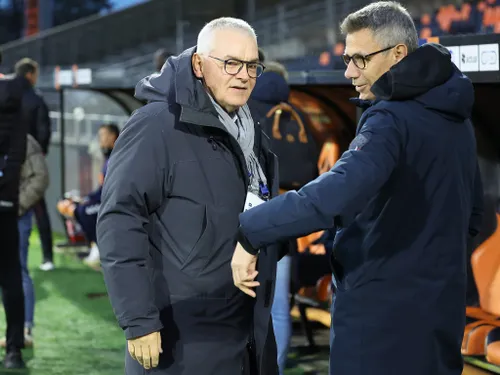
[[264, 191]]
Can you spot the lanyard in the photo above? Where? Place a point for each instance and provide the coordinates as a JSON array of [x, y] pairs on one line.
[[263, 189]]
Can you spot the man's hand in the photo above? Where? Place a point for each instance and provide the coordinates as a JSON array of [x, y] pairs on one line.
[[146, 349], [243, 266]]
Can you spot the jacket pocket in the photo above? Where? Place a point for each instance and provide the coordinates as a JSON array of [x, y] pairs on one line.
[[202, 249]]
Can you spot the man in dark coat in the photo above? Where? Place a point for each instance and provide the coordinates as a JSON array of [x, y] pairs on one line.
[[13, 135], [39, 126], [404, 199], [183, 169]]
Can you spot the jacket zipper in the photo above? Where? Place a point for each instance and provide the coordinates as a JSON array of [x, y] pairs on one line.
[[240, 159]]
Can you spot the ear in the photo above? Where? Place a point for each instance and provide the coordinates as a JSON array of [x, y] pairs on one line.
[[197, 63], [400, 52]]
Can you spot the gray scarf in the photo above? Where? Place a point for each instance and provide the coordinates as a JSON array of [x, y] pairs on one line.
[[243, 130]]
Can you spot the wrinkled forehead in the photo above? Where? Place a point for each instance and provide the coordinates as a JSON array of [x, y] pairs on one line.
[[361, 42], [235, 43]]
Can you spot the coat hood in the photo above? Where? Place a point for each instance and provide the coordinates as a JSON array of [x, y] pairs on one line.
[[175, 83], [429, 76]]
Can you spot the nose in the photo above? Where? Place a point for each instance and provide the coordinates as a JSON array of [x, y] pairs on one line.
[[352, 71], [243, 74]]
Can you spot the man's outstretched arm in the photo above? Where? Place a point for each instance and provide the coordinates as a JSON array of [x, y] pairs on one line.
[[344, 190]]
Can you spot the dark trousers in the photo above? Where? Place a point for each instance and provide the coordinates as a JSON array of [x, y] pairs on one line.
[[249, 363], [44, 230], [86, 215], [11, 281]]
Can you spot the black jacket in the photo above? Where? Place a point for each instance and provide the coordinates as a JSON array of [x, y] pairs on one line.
[[404, 199], [37, 114], [166, 231], [13, 135]]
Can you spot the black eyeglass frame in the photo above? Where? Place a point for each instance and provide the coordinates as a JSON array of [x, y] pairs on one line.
[[364, 58], [242, 63]]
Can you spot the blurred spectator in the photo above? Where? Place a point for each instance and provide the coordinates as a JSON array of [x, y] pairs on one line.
[[37, 113], [84, 211], [13, 133], [160, 57], [34, 182]]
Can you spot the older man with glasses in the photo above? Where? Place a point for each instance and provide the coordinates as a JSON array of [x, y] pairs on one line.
[[404, 200], [184, 167]]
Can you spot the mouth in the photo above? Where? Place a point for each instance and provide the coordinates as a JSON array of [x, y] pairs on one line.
[[359, 88], [240, 88]]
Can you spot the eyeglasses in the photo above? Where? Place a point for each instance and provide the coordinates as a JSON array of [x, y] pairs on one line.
[[234, 66], [361, 60]]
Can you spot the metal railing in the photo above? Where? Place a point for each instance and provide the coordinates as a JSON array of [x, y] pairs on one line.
[[80, 131], [82, 161]]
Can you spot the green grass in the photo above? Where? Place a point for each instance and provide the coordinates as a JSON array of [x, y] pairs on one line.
[[75, 334]]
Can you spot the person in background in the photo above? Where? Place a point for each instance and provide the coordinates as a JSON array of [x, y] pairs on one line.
[[40, 128], [85, 210], [34, 183], [13, 135]]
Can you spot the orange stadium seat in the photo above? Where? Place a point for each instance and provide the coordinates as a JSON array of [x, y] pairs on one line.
[[465, 11], [425, 33], [338, 49], [425, 19], [485, 263], [481, 6], [324, 58], [492, 344]]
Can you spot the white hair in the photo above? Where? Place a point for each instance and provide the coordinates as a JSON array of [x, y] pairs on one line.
[[205, 37]]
